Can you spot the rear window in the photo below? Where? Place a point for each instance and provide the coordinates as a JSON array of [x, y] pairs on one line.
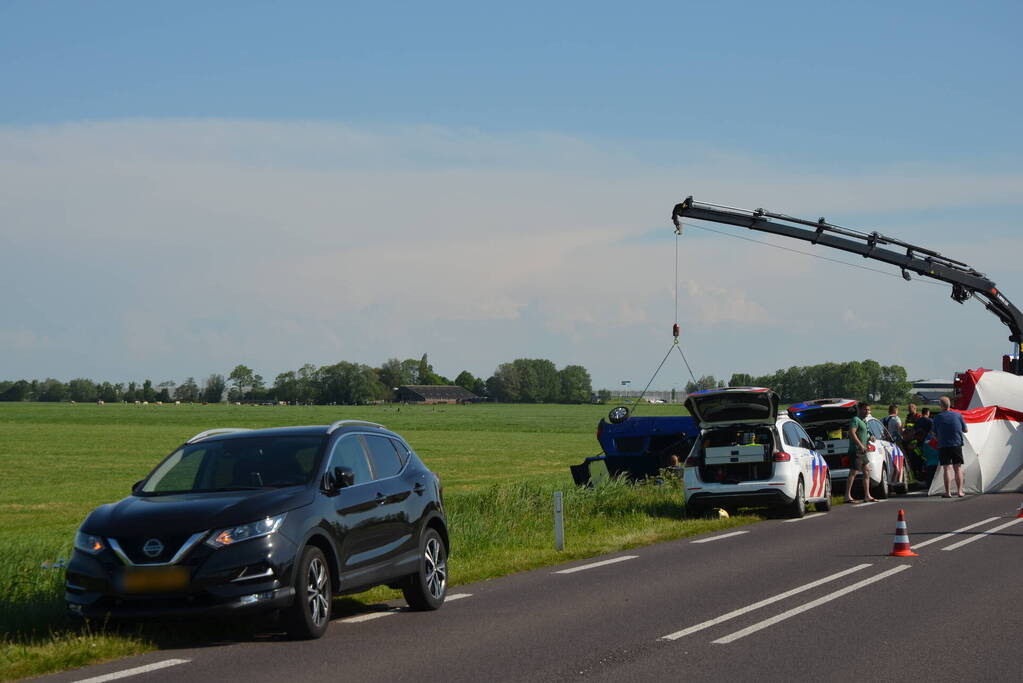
[[727, 408]]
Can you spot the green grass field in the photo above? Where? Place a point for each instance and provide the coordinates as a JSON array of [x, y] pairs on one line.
[[500, 465]]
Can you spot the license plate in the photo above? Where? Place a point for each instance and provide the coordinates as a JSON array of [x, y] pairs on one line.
[[155, 579]]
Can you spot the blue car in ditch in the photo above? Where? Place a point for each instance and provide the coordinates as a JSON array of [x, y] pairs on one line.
[[637, 447]]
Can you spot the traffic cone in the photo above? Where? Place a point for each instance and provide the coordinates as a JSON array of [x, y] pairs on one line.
[[901, 547], [1019, 512]]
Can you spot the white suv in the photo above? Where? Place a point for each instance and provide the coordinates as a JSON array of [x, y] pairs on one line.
[[749, 455], [827, 420]]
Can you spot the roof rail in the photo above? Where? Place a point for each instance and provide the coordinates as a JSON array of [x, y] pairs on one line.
[[349, 423], [220, 430]]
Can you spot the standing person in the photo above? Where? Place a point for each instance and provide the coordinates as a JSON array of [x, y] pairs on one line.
[[893, 424], [949, 428], [910, 446], [858, 437], [928, 454]]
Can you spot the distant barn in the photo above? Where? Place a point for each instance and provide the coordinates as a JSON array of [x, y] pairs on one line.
[[424, 393]]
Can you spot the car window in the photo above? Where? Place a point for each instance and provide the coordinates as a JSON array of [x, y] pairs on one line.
[[790, 431], [804, 439], [382, 452], [876, 429], [348, 452], [403, 451], [179, 471]]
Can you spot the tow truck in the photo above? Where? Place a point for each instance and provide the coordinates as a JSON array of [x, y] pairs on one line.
[[966, 281]]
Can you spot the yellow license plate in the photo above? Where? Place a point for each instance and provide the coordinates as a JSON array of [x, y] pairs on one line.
[[155, 579]]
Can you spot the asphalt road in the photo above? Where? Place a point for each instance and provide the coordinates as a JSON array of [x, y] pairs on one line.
[[818, 598]]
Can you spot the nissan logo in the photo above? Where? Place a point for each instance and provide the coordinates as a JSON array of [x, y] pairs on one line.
[[153, 547]]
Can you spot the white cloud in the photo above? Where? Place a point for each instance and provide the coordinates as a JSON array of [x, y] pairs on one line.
[[190, 245]]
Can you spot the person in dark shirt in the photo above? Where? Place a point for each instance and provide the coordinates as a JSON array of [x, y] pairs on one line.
[[921, 434]]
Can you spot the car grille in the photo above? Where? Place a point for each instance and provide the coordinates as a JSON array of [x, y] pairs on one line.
[[134, 548]]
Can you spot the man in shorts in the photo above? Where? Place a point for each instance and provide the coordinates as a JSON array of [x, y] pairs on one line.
[[949, 427], [859, 435]]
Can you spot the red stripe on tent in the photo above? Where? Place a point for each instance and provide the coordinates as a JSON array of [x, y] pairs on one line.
[[989, 413]]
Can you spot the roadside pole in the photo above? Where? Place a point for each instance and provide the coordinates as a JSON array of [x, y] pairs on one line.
[[559, 522]]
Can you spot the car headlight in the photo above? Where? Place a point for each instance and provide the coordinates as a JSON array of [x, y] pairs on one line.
[[88, 543], [245, 532]]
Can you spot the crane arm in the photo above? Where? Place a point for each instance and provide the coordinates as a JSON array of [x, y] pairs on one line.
[[965, 281]]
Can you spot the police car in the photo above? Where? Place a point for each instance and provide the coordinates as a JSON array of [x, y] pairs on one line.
[[827, 420], [749, 455]]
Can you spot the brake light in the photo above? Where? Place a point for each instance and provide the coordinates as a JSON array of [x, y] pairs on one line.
[[782, 456]]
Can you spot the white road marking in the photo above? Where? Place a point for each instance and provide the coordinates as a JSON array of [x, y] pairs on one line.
[[369, 616], [155, 666], [762, 603], [809, 606], [863, 505], [982, 534], [800, 519], [718, 538], [584, 567], [949, 535]]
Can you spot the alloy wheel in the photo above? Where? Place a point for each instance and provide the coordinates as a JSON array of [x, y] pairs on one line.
[[436, 567], [317, 591]]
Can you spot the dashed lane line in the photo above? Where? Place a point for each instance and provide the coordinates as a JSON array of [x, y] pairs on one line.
[[982, 534], [763, 603], [369, 616], [718, 538], [155, 666], [592, 565], [800, 519], [936, 539], [809, 606]]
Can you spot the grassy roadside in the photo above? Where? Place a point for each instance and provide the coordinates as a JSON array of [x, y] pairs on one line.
[[500, 465]]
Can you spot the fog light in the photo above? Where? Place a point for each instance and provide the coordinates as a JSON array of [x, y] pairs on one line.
[[255, 597]]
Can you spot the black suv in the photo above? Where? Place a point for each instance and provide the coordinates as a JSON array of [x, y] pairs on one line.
[[237, 521]]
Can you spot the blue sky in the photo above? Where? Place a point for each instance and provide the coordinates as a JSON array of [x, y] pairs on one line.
[[187, 186]]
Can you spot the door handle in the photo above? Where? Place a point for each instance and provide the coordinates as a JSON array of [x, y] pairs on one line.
[[381, 498], [419, 488]]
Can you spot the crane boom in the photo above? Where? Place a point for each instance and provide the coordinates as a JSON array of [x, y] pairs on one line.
[[966, 281]]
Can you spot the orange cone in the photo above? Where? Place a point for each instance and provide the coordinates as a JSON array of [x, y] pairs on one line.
[[1019, 512], [901, 547]]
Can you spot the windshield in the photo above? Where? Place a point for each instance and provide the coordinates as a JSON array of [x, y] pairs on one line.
[[236, 464]]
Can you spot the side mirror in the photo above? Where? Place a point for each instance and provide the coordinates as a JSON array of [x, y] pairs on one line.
[[339, 478], [618, 415]]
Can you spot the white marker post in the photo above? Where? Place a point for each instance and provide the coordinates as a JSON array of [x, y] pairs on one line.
[[559, 523]]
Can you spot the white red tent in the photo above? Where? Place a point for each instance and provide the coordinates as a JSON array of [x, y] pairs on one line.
[[984, 388], [992, 448]]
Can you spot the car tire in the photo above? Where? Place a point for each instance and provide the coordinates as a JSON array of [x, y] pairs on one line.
[[309, 615], [825, 505], [797, 508], [880, 490], [427, 588]]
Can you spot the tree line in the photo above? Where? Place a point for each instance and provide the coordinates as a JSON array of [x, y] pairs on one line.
[[867, 380], [522, 380]]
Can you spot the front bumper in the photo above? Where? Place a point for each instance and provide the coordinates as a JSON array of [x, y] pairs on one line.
[[253, 576]]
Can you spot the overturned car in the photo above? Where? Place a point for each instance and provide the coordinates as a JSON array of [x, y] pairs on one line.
[[637, 447]]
